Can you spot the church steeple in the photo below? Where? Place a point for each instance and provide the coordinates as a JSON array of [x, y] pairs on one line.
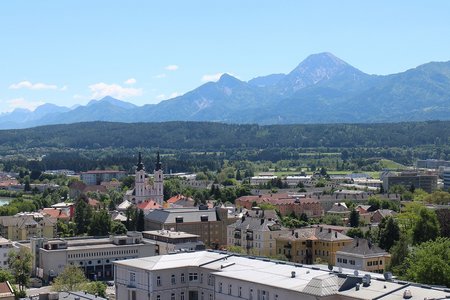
[[140, 165], [158, 162]]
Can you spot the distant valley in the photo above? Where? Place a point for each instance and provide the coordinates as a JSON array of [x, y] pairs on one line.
[[321, 89]]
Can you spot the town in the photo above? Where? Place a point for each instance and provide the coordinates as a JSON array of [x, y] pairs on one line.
[[352, 231]]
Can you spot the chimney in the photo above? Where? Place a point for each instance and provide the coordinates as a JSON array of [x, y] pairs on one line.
[[293, 274]]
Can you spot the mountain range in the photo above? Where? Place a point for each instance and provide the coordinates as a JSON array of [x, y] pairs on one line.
[[321, 89]]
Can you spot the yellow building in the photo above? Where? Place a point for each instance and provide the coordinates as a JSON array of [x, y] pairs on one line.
[[311, 245], [24, 226], [361, 254]]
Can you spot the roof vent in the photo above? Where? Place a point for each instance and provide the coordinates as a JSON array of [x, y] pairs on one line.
[[407, 294], [293, 274], [357, 286]]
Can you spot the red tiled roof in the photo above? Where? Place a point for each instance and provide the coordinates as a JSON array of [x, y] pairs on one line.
[[175, 198], [56, 213], [149, 204]]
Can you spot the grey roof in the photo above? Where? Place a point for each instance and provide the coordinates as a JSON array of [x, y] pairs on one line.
[[363, 247], [168, 216], [256, 224], [315, 233]]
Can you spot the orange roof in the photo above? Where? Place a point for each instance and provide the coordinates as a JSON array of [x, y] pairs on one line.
[[175, 198], [56, 213], [148, 204]]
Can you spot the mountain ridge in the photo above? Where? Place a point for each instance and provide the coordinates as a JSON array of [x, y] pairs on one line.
[[321, 89]]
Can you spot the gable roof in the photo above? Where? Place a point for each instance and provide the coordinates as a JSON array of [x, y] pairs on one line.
[[149, 204], [363, 247]]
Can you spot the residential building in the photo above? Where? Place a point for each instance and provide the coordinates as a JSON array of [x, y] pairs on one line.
[[380, 214], [340, 210], [295, 180], [311, 245], [446, 178], [209, 224], [6, 246], [426, 182], [285, 203], [77, 188], [96, 177], [174, 241], [432, 163], [362, 254], [256, 234], [262, 179], [208, 275], [24, 226], [93, 255], [144, 189]]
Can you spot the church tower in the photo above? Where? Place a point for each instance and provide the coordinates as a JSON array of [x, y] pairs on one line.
[[158, 181], [140, 182]]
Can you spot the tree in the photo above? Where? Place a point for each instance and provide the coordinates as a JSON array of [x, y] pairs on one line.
[[140, 223], [20, 265], [443, 216], [6, 275], [427, 227], [118, 228], [354, 218], [399, 251], [389, 232], [71, 278], [83, 213], [100, 223], [97, 288], [355, 232], [429, 263]]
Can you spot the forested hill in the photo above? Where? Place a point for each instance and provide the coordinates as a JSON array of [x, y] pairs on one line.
[[206, 136]]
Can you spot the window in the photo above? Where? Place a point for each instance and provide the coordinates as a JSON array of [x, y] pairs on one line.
[[132, 276], [250, 295], [369, 263], [210, 297], [201, 278], [229, 289], [344, 260], [193, 276], [182, 278], [381, 262], [210, 281], [264, 295], [220, 287], [202, 297], [172, 296], [158, 297], [158, 281], [240, 291], [172, 279], [182, 296]]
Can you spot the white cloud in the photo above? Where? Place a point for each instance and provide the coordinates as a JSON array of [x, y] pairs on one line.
[[160, 76], [22, 103], [64, 88], [101, 89], [32, 86], [130, 81], [174, 94], [161, 97], [171, 67], [211, 77]]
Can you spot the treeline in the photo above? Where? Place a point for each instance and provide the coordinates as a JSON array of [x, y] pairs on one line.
[[207, 136]]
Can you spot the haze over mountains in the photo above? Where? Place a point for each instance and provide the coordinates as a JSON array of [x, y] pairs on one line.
[[321, 89]]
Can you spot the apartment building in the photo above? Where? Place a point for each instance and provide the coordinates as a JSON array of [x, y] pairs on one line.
[[256, 233], [6, 246], [174, 241], [427, 182], [361, 254], [312, 245], [24, 226], [208, 275], [95, 177], [93, 255], [209, 224]]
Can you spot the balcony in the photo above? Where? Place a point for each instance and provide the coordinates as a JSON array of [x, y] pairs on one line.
[[249, 237]]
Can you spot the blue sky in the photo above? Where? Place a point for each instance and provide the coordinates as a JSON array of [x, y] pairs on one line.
[[68, 52]]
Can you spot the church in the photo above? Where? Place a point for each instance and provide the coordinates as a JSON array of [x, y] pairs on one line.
[[144, 190]]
